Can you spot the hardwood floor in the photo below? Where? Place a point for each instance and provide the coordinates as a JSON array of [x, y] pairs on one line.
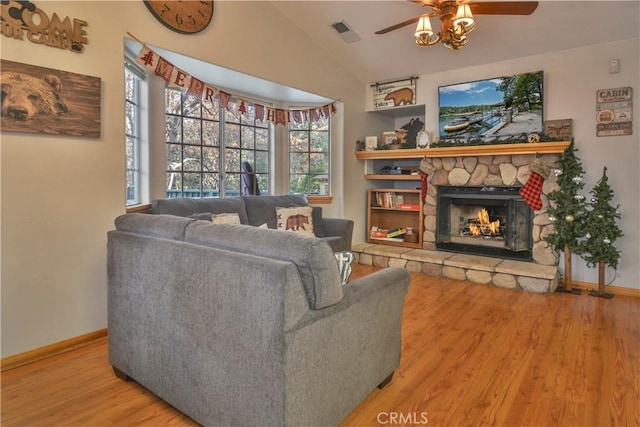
[[472, 355]]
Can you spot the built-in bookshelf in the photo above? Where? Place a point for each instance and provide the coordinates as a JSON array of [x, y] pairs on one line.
[[394, 217]]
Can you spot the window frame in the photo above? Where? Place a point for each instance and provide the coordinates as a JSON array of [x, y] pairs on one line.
[[133, 162], [225, 120], [310, 128]]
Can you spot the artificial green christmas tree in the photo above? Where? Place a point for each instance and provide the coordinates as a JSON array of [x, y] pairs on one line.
[[601, 232], [568, 211]]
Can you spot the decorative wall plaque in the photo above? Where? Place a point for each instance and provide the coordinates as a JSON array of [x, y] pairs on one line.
[[24, 20], [614, 111], [394, 94]]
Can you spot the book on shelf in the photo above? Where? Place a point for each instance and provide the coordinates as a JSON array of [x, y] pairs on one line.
[[378, 232], [409, 206], [397, 232], [381, 233], [387, 199], [389, 239]]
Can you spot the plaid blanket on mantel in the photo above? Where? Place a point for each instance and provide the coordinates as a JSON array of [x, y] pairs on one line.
[[532, 190]]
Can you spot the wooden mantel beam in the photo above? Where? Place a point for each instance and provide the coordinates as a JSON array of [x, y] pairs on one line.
[[466, 151]]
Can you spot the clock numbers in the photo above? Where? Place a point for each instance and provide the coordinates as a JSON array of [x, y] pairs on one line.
[[180, 20]]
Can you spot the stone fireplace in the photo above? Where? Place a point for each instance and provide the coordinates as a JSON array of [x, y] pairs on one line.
[[467, 181], [477, 187]]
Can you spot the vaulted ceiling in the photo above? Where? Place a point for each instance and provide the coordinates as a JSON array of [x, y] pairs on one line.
[[554, 26]]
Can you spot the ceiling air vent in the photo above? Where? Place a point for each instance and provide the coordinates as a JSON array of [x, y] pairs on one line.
[[345, 32]]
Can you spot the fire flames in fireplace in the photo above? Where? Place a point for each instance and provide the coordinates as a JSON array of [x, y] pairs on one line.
[[483, 226]]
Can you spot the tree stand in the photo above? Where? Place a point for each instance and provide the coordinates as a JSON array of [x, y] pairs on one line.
[[600, 292], [568, 285]]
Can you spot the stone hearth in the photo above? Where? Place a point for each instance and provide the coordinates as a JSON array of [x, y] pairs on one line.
[[519, 275]]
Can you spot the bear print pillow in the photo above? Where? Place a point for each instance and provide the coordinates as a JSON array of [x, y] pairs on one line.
[[296, 220]]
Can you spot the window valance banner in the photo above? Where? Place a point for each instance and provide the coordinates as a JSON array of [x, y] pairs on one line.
[[178, 78]]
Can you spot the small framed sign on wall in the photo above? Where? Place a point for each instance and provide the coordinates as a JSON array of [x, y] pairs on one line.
[[394, 94], [561, 130], [614, 111]]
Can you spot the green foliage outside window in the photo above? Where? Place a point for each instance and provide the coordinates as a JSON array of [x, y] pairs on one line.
[[309, 157]]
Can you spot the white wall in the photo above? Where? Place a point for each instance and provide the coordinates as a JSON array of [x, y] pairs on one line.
[[60, 195], [571, 79]]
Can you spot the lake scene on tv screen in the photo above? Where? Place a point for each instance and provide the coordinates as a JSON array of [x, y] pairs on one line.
[[501, 107]]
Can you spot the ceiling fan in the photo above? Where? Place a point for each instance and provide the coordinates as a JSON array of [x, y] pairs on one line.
[[456, 19]]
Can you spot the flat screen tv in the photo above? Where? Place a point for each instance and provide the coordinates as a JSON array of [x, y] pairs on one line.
[[501, 107]]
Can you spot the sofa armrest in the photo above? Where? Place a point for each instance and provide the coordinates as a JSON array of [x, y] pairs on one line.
[[392, 281], [339, 227], [336, 356]]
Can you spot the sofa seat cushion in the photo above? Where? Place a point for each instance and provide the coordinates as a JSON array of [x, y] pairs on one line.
[[313, 257], [214, 205]]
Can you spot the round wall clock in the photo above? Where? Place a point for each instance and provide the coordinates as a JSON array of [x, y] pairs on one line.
[[185, 17]]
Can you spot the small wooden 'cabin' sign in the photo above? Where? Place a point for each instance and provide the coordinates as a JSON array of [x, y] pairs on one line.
[[614, 109], [394, 94]]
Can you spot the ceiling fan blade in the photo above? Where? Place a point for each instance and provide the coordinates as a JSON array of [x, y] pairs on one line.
[[399, 25], [504, 8]]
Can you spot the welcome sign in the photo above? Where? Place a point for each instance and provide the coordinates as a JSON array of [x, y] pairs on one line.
[[24, 20], [394, 94]]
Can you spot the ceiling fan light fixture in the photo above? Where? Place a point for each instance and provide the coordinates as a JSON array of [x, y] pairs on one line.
[[424, 27], [424, 32], [456, 19], [455, 43], [464, 17]]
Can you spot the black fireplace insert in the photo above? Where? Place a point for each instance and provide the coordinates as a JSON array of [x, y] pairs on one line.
[[489, 221]]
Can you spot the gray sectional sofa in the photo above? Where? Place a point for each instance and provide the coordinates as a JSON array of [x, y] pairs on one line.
[[259, 210], [244, 326]]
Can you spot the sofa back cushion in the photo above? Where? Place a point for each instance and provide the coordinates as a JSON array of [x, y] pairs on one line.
[[313, 257], [187, 207], [262, 209], [163, 226]]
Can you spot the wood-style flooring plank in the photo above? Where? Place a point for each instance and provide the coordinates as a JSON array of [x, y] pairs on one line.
[[472, 355]]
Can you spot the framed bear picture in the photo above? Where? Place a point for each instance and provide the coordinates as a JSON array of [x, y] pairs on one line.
[[43, 100]]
